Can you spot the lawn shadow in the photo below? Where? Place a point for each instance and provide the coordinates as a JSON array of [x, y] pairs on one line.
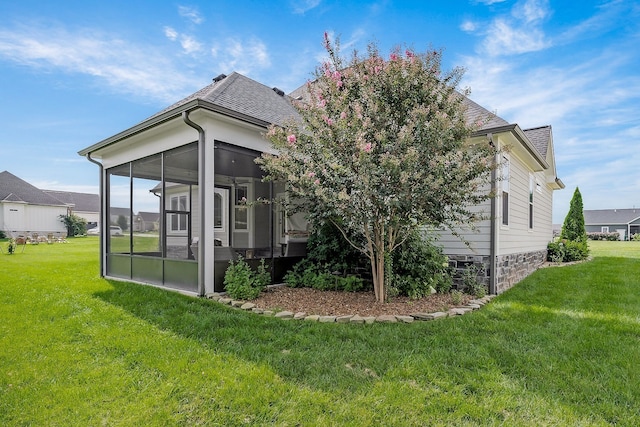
[[324, 356]]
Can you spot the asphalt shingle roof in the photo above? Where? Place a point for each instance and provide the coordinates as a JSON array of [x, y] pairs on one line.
[[83, 202], [610, 216], [540, 137], [241, 94], [14, 189]]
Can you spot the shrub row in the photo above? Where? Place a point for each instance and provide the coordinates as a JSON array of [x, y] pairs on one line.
[[612, 237]]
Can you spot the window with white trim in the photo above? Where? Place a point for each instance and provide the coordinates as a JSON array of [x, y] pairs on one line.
[[532, 185], [178, 205], [605, 229], [506, 177]]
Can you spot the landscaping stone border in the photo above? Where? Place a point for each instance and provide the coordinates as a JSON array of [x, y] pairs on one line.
[[472, 305]]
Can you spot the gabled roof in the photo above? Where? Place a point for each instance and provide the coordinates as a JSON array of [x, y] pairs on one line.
[[14, 189], [149, 216], [82, 202], [540, 137], [611, 216], [234, 96]]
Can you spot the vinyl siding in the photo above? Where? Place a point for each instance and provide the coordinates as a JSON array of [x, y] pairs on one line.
[[517, 237], [479, 239]]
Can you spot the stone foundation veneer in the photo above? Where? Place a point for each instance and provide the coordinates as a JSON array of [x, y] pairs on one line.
[[511, 268]]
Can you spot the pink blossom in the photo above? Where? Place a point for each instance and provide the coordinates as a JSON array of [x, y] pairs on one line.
[[339, 83], [343, 115], [393, 57], [409, 54], [328, 120], [316, 182], [291, 139], [367, 147], [311, 174]]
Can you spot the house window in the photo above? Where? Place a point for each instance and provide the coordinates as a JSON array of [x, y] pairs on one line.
[[532, 185], [178, 219], [506, 177], [217, 211], [241, 220], [605, 229]]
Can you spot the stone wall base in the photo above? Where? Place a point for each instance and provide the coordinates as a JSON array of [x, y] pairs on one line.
[[510, 269]]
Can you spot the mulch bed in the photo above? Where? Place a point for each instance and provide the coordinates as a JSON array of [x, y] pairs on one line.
[[334, 303]]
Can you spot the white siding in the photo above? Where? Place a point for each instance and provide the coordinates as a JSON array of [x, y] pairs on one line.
[[19, 218], [517, 237], [479, 239]]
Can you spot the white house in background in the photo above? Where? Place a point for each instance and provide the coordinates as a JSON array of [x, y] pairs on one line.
[[84, 205], [195, 162], [625, 222], [26, 210]]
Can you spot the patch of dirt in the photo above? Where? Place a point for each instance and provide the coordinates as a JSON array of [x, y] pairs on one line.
[[334, 303]]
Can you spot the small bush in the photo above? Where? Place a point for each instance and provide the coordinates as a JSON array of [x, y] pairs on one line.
[[456, 297], [575, 251], [2, 234], [612, 237], [310, 276], [419, 265], [242, 283], [567, 251], [470, 282], [636, 237]]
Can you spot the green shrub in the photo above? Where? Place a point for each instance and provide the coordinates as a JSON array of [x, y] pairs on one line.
[[310, 276], [418, 265], [242, 283], [636, 237], [327, 248], [555, 251], [2, 234], [575, 251], [470, 282], [456, 297], [567, 251]]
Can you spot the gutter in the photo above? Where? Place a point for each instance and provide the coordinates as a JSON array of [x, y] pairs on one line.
[[172, 114], [101, 213], [519, 134], [201, 194], [493, 249]]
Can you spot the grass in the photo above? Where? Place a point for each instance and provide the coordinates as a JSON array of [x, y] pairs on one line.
[[561, 348]]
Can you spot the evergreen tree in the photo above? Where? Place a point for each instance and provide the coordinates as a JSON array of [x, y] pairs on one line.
[[573, 227]]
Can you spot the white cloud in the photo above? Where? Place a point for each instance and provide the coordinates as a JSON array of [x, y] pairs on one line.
[[170, 33], [531, 10], [116, 63], [303, 6], [190, 44], [191, 14], [242, 56], [468, 26]]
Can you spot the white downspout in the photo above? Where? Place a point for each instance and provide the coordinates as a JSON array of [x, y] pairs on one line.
[[202, 246]]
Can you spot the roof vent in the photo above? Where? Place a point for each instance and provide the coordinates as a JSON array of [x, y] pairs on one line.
[[219, 77], [278, 91]]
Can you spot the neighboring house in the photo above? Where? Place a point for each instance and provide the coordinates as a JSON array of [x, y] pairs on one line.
[[26, 210], [625, 222], [197, 159], [116, 216], [146, 221], [84, 205]]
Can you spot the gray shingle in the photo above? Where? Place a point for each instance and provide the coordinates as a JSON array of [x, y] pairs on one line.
[[540, 137], [83, 202], [610, 216], [243, 95], [14, 189]]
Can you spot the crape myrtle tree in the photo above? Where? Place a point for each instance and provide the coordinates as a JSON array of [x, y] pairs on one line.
[[381, 145]]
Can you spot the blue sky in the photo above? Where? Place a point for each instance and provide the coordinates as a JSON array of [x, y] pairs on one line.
[[73, 73]]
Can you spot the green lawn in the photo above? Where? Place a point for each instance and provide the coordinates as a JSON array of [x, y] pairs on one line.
[[562, 348]]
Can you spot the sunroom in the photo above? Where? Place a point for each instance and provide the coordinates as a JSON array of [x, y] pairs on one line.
[[194, 165]]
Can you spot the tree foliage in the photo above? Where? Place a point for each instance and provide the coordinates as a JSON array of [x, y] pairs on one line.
[[76, 226], [381, 145], [573, 227]]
